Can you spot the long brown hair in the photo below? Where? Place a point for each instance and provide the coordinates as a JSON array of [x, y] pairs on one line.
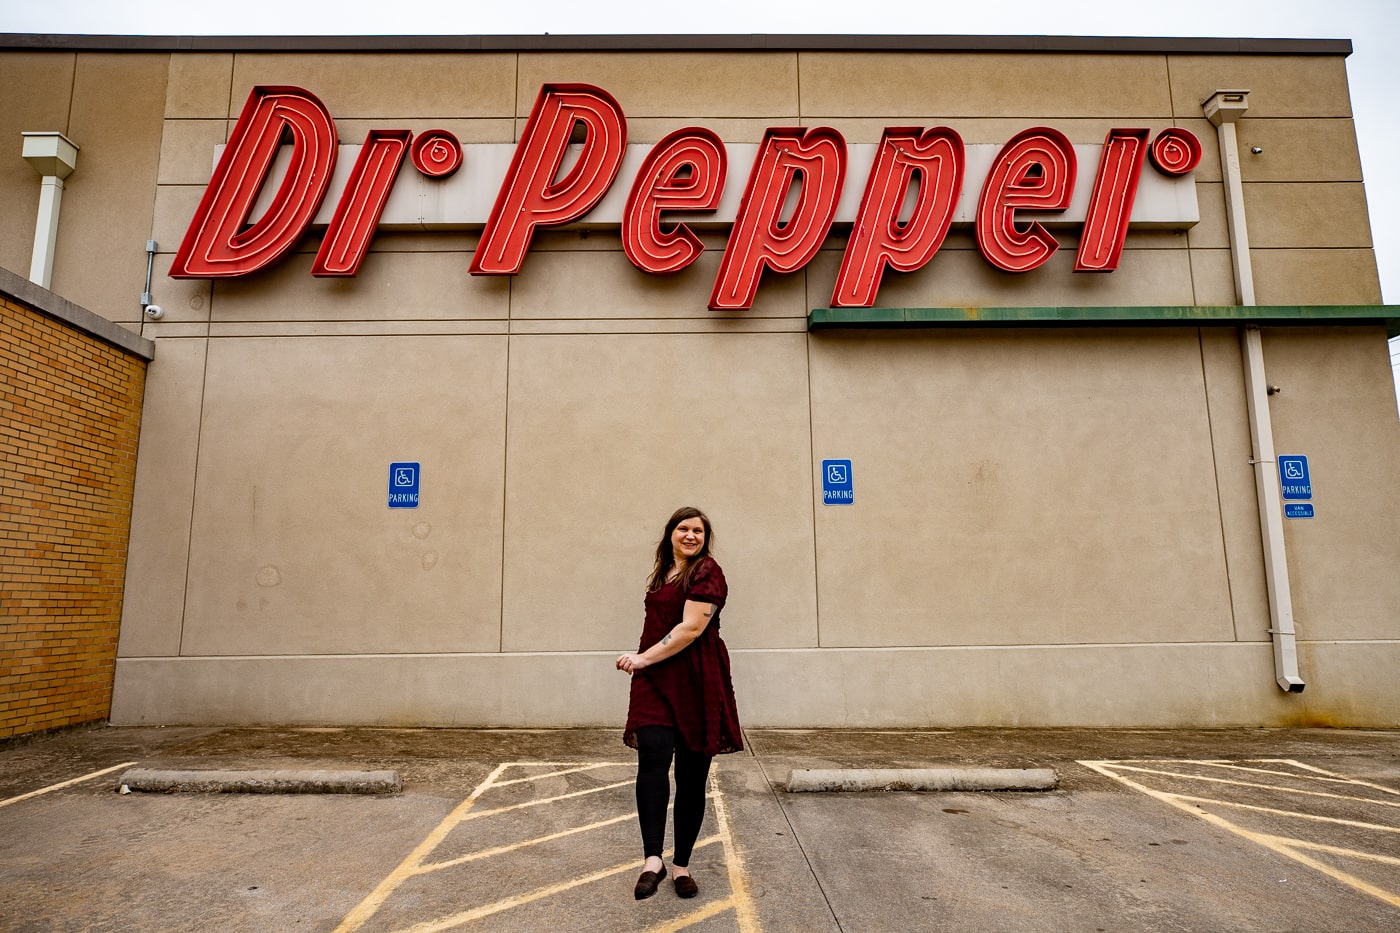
[[665, 554]]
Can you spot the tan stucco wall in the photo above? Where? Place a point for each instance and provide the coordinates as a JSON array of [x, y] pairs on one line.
[[111, 106], [1052, 526], [35, 90]]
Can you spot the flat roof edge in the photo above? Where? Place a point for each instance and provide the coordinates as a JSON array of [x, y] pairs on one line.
[[678, 43], [59, 308]]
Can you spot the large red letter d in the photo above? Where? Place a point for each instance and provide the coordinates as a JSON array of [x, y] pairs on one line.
[[220, 243]]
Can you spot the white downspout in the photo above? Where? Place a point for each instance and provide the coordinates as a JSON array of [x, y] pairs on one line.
[[1223, 108], [54, 157]]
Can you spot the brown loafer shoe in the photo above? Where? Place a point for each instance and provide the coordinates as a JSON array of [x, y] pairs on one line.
[[646, 884], [685, 886]]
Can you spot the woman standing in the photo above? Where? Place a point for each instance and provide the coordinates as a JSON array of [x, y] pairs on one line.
[[682, 703]]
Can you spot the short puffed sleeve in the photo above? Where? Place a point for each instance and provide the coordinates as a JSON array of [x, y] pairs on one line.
[[707, 585]]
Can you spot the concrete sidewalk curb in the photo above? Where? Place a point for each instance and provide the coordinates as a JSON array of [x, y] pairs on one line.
[[261, 782], [921, 779]]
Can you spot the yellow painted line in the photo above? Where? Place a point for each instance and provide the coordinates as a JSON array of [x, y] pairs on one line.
[[1299, 814], [1287, 850], [539, 803], [1310, 774], [1269, 787], [1327, 777], [1380, 894], [1338, 850], [743, 905], [501, 850], [690, 919], [519, 900], [1373, 786], [549, 774], [371, 904], [63, 784]]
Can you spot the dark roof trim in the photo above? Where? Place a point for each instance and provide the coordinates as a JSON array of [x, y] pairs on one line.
[[655, 43], [1189, 315], [25, 292]]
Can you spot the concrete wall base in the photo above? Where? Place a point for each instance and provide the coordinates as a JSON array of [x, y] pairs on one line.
[[1110, 686]]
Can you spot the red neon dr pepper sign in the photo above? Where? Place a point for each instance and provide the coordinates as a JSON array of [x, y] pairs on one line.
[[574, 146]]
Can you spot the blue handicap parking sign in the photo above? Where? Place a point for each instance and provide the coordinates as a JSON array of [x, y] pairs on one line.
[[1293, 477], [837, 486], [1297, 510], [404, 479]]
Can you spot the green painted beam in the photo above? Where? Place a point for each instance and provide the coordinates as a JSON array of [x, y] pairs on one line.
[[1190, 315]]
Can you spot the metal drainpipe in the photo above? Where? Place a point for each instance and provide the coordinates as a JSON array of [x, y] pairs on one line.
[[54, 157], [1223, 108]]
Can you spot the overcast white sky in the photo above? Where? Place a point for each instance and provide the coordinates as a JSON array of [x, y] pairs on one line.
[[1373, 26]]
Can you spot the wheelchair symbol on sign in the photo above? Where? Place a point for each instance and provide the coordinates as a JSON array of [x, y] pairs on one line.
[[836, 474], [1292, 469], [403, 476]]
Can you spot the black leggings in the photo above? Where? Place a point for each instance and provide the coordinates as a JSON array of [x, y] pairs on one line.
[[655, 746]]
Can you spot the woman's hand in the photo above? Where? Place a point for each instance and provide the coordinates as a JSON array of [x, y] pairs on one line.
[[631, 663]]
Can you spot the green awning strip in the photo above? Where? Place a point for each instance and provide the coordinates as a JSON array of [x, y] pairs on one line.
[[1190, 315]]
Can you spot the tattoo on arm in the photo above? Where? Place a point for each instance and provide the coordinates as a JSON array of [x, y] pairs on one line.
[[709, 612], [666, 639]]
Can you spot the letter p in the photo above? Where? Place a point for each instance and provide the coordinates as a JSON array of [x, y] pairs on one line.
[[532, 194]]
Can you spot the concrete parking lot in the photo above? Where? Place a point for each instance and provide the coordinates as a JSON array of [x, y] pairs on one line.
[[529, 830]]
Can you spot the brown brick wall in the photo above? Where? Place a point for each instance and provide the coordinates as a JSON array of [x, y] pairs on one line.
[[70, 410]]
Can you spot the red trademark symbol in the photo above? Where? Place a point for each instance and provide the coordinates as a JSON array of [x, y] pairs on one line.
[[436, 153], [1175, 151]]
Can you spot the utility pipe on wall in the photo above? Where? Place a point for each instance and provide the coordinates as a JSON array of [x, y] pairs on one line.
[[1223, 108], [54, 157]]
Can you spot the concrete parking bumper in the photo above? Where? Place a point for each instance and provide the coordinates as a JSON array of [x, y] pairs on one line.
[[261, 782], [814, 780]]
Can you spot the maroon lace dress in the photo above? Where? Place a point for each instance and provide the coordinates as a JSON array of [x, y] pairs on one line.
[[691, 690]]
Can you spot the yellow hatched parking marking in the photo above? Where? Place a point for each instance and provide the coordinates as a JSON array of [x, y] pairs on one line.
[[502, 850], [371, 904], [704, 913], [417, 864], [1269, 787], [1286, 846], [549, 774], [1316, 774], [1296, 814], [1338, 850], [539, 803], [520, 900]]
